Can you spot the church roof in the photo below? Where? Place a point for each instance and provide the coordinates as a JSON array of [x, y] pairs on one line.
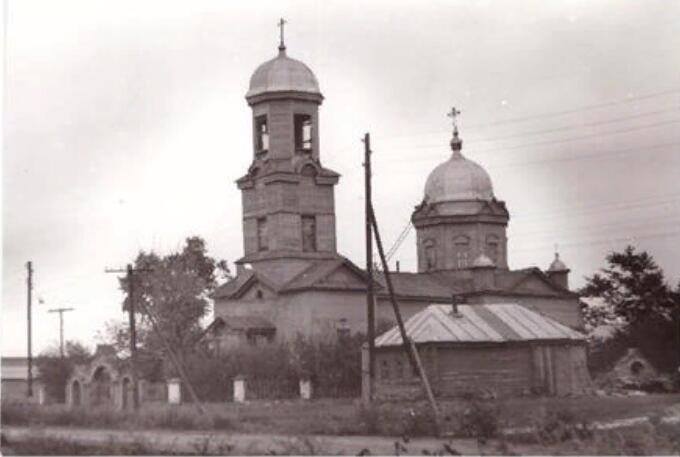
[[229, 288], [283, 74], [318, 275], [436, 286], [417, 286], [458, 179], [479, 323]]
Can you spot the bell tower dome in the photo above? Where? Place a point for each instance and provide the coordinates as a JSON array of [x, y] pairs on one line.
[[459, 219], [287, 195]]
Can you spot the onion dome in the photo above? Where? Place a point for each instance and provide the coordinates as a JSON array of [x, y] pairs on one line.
[[283, 74], [458, 178], [557, 265], [483, 261]]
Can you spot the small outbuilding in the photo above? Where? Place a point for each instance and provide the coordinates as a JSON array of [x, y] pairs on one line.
[[14, 373], [495, 349], [633, 368]]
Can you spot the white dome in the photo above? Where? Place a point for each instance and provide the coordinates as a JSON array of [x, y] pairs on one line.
[[458, 179], [283, 74], [557, 265]]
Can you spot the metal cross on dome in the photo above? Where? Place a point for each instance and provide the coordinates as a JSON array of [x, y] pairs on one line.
[[281, 24], [453, 114]]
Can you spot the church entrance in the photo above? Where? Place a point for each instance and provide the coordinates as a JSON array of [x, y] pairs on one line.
[[127, 393], [75, 393], [101, 387]]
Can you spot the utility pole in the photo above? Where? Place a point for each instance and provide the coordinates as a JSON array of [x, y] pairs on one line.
[[409, 345], [370, 298], [133, 330], [29, 287], [61, 312], [133, 338]]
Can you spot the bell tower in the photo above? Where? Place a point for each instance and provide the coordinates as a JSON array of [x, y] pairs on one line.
[[287, 195]]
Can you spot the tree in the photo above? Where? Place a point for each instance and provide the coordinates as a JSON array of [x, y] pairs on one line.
[[174, 292], [633, 286], [637, 299], [55, 370]]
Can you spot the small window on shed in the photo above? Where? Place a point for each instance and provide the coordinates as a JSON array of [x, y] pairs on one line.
[[384, 369], [261, 134], [342, 328], [399, 369], [303, 132]]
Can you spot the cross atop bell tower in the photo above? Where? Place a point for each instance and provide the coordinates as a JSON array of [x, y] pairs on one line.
[[282, 45]]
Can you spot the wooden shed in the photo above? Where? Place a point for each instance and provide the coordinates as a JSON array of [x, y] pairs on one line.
[[497, 349]]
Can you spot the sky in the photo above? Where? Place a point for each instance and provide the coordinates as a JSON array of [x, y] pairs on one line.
[[125, 127]]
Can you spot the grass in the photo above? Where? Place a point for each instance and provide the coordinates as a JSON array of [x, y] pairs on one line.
[[335, 417], [520, 412]]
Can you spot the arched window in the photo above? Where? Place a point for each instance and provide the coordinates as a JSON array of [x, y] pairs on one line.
[[309, 233], [303, 133], [262, 234], [261, 135], [75, 393], [461, 251], [493, 248], [308, 170], [429, 249]]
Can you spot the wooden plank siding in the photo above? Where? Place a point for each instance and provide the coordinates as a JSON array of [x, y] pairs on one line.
[[501, 369]]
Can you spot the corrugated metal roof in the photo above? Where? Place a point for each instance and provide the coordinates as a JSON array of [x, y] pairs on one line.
[[479, 323]]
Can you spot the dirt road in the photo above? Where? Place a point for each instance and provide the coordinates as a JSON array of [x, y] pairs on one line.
[[241, 444]]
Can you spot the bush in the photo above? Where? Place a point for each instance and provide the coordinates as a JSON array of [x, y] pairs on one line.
[[397, 419], [480, 421], [562, 425], [274, 371]]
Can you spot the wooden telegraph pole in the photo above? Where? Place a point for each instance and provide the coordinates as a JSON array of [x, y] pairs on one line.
[[133, 329], [61, 312], [370, 296], [29, 290], [408, 344], [130, 271]]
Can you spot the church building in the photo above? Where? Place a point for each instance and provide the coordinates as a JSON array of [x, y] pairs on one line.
[[292, 280]]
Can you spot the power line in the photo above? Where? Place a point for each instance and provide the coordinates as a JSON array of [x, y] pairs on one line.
[[605, 207], [586, 156], [575, 126], [552, 114], [554, 129], [564, 140], [605, 240], [537, 233]]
